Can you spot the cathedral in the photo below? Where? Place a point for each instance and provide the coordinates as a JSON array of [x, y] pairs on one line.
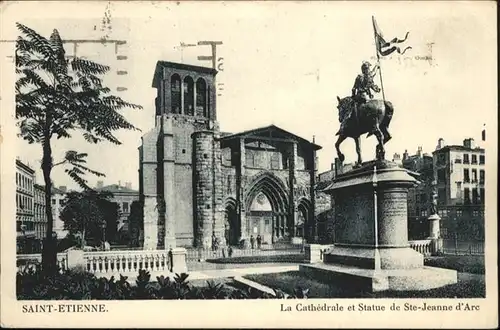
[[199, 185]]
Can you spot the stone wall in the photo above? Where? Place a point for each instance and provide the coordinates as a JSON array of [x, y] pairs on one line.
[[150, 224], [184, 233], [218, 193], [228, 182]]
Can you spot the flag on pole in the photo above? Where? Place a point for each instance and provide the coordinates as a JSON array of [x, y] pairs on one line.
[[385, 48]]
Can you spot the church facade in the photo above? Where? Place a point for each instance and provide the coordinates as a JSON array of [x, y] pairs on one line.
[[198, 184]]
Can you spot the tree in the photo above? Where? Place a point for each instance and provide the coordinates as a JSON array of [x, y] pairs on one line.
[[90, 215], [82, 217], [110, 212], [55, 96]]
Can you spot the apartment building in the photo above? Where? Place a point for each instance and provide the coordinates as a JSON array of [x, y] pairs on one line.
[[460, 173]]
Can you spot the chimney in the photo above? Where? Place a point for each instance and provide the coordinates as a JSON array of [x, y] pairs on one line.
[[440, 144], [419, 152], [62, 188], [119, 183], [128, 185], [396, 157], [332, 166], [100, 184], [338, 167], [469, 143], [405, 155]]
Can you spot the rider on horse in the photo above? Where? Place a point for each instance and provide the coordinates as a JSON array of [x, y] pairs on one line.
[[362, 89]]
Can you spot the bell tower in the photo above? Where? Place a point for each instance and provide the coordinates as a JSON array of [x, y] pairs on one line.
[[185, 90], [172, 158]]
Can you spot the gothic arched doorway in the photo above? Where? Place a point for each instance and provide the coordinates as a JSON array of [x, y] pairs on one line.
[[266, 210], [231, 225]]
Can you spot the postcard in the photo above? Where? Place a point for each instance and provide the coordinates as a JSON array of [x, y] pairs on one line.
[[249, 164]]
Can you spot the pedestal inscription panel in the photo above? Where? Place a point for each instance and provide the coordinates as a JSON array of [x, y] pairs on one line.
[[393, 217]]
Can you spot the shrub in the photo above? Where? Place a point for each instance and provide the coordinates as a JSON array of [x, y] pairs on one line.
[[32, 284]]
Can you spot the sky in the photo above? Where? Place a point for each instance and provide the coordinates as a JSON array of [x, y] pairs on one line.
[[284, 63]]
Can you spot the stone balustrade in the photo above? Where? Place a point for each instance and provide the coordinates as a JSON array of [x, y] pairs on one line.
[[32, 261], [113, 262], [124, 262], [423, 246]]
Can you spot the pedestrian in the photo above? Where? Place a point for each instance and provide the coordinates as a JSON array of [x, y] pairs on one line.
[[259, 241], [252, 241], [230, 251]]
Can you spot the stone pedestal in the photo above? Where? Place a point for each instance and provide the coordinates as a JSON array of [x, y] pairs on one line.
[[371, 231], [314, 253], [178, 260]]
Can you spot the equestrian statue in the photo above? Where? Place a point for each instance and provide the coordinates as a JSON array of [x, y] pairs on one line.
[[360, 114]]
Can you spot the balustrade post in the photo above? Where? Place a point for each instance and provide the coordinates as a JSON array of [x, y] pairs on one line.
[[435, 235], [178, 260], [75, 259]]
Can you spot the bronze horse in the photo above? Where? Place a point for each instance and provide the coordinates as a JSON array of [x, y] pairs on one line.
[[373, 117]]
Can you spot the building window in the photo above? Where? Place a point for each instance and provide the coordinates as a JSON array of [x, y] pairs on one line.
[[474, 175], [466, 175], [249, 159], [423, 198], [441, 159], [482, 195], [175, 93], [475, 213], [125, 207], [466, 158], [459, 213], [442, 196], [275, 161], [443, 213], [474, 196], [441, 176], [481, 176], [53, 201], [201, 98], [474, 159], [188, 88], [423, 213], [481, 159], [458, 161], [467, 196]]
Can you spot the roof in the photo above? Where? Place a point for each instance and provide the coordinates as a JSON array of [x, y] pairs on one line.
[[114, 188], [457, 147], [322, 185], [180, 66], [24, 166], [269, 130], [57, 191]]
